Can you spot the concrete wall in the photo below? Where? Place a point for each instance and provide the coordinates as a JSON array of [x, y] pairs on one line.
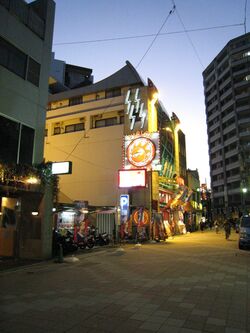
[[96, 152], [21, 100]]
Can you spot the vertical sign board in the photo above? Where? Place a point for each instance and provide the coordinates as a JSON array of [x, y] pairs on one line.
[[124, 204]]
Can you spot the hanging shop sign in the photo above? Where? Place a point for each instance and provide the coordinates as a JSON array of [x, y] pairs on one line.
[[142, 151], [135, 108], [61, 168], [132, 178]]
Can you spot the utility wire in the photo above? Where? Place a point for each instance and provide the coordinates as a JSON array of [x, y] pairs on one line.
[[83, 160], [76, 145], [187, 34], [151, 44], [149, 35]]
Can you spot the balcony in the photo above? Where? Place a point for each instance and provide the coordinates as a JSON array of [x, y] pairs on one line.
[[227, 105], [243, 108], [232, 166], [231, 153], [218, 182], [244, 121], [244, 132], [233, 178], [218, 194], [228, 116], [243, 83], [26, 15], [226, 94], [241, 95], [211, 106], [228, 128], [215, 172]]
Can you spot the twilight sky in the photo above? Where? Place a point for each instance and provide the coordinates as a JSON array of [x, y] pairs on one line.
[[175, 61]]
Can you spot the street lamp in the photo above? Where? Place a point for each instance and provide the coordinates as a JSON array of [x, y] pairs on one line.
[[244, 191]]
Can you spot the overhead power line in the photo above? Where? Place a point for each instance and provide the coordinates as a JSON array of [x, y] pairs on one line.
[[187, 34], [149, 35], [151, 44], [171, 11]]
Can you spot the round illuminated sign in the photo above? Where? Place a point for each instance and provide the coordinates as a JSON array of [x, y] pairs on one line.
[[141, 216], [141, 152]]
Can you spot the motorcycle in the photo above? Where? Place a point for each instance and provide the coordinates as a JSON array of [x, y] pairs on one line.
[[101, 238], [85, 241], [66, 241]]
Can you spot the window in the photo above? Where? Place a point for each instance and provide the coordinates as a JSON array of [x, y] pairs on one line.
[[12, 58], [46, 132], [121, 119], [16, 61], [26, 145], [57, 130], [113, 93], [246, 54], [75, 100], [33, 74], [9, 138], [106, 122], [74, 128], [16, 142]]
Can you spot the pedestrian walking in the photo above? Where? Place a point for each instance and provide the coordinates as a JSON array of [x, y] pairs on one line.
[[227, 227], [202, 223], [216, 226]]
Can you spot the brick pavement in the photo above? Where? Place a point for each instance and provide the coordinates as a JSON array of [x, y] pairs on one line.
[[194, 283]]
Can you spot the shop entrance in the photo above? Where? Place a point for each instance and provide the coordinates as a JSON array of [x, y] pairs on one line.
[[8, 225]]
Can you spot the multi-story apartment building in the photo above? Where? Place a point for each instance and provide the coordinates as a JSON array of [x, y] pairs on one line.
[[26, 31], [109, 126], [227, 100]]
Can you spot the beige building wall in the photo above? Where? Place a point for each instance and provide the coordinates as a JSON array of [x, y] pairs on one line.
[[96, 153]]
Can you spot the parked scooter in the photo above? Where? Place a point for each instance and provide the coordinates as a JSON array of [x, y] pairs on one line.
[[85, 241], [66, 241], [100, 238]]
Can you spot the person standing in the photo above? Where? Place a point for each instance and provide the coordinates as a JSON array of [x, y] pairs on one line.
[[202, 223], [216, 226], [227, 227]]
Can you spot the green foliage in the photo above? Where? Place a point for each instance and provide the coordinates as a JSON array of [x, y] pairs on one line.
[[16, 175]]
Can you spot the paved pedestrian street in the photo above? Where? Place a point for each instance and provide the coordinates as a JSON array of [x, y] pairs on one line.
[[194, 283]]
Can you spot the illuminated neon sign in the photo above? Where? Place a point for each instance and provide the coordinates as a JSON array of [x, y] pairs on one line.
[[135, 108], [142, 150]]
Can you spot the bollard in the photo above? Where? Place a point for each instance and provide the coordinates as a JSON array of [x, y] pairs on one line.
[[60, 256]]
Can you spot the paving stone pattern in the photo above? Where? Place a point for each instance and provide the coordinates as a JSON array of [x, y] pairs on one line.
[[194, 283]]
